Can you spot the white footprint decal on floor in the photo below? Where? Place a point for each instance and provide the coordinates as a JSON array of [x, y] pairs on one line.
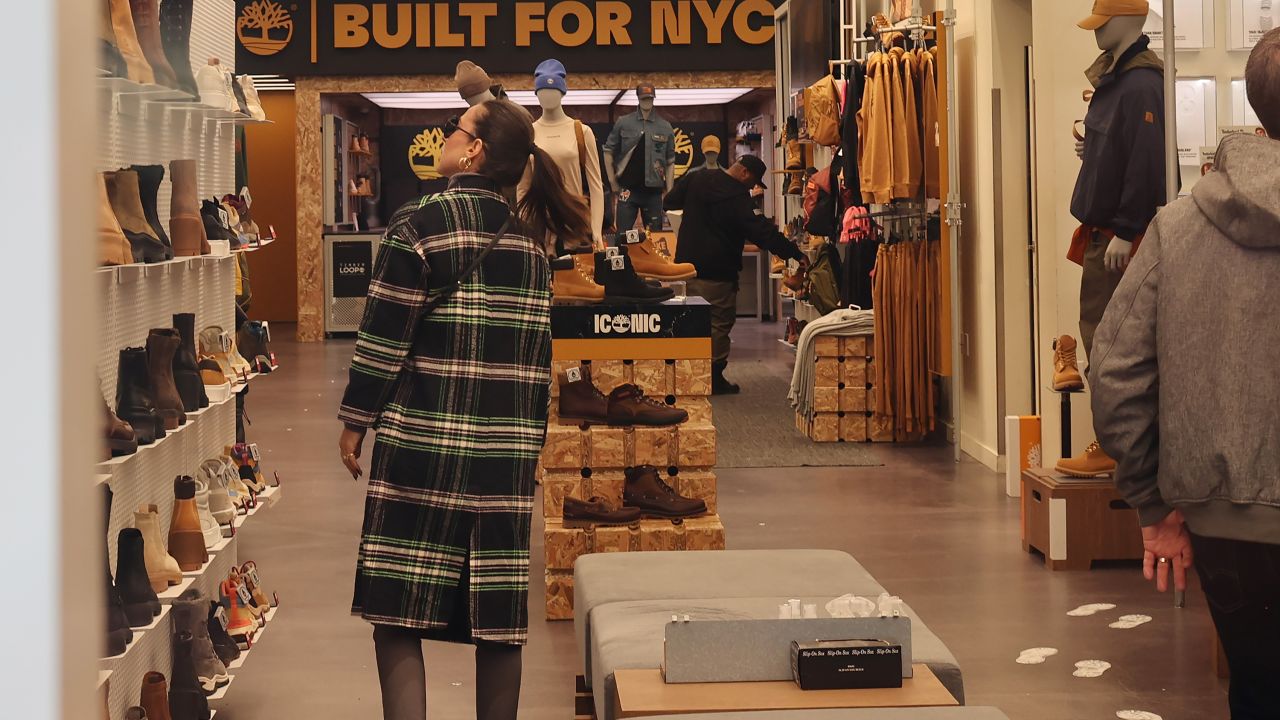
[[1091, 609], [1137, 715], [1129, 622], [1036, 656], [1091, 668]]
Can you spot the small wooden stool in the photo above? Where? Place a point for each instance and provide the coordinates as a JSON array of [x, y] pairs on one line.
[[1074, 522]]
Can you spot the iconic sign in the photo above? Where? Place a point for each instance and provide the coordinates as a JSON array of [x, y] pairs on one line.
[[326, 37]]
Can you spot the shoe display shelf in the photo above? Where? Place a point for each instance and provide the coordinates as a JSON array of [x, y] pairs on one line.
[[590, 461], [844, 395]]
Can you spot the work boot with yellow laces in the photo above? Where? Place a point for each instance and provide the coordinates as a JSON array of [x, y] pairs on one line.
[[1094, 463], [1066, 373], [652, 263]]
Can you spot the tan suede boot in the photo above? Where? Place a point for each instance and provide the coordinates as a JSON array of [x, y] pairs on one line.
[[1094, 463], [186, 229], [113, 246], [146, 24], [127, 41], [1066, 374], [652, 264], [576, 285], [162, 568]]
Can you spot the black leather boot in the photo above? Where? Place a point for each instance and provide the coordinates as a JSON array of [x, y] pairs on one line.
[[162, 345], [186, 700], [141, 605], [719, 385], [175, 36], [186, 371], [149, 179], [622, 284], [133, 396], [119, 634]]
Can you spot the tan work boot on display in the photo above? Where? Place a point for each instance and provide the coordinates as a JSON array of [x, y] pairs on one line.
[[1094, 463], [572, 281], [113, 246], [1066, 373], [652, 264]]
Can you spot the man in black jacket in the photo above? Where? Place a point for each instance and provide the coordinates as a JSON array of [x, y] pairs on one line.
[[719, 220]]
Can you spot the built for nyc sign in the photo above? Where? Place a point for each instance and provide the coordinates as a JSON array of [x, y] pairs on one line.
[[324, 37]]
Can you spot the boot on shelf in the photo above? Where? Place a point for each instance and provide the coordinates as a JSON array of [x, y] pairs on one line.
[[119, 634], [162, 568], [223, 645], [649, 493], [249, 571], [587, 514], [215, 90], [187, 700], [149, 179], [186, 536], [629, 406], [121, 440], [113, 246], [251, 604], [191, 616], [251, 340], [139, 70], [220, 504], [1066, 373], [141, 605], [208, 523], [185, 224], [255, 103], [134, 404], [241, 624], [155, 696], [126, 202], [580, 399], [146, 23], [1093, 463], [109, 58], [720, 385], [175, 35], [162, 345], [795, 183], [652, 264], [571, 284], [186, 371], [621, 284]]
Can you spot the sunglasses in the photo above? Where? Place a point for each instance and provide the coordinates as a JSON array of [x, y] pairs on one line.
[[451, 126]]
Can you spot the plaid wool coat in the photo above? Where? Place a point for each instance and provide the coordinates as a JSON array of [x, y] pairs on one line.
[[458, 398]]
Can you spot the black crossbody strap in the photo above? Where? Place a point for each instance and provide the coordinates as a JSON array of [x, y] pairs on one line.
[[471, 269]]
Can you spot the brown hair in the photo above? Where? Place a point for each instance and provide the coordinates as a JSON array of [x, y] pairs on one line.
[[548, 206], [1262, 81]]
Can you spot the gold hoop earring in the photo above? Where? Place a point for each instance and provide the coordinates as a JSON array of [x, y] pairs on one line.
[[465, 163]]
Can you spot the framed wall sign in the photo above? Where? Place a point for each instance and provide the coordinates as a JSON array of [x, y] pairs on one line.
[[1193, 24], [1250, 20]]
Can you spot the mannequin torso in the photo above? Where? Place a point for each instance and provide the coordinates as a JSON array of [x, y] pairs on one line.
[[556, 134]]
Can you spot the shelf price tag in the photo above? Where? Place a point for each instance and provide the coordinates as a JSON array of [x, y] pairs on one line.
[[253, 577], [242, 592], [225, 341], [221, 615], [254, 452]]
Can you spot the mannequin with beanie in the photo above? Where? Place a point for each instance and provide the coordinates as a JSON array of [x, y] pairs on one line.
[[570, 143], [474, 84]]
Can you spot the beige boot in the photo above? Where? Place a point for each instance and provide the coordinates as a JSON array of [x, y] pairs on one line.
[[162, 568], [1066, 374], [1094, 463], [127, 41], [652, 264], [146, 24], [577, 285], [186, 228], [113, 246]]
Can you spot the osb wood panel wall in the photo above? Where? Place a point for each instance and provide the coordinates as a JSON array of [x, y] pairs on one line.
[[310, 170]]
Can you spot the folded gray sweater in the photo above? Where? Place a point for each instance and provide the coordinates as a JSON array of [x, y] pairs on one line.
[[842, 323]]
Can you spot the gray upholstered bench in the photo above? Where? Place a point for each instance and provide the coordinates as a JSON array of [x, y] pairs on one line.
[[623, 602], [949, 713]]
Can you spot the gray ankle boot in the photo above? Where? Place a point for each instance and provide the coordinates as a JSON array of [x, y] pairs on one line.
[[191, 615]]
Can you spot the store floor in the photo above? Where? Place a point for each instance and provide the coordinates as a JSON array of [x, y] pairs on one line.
[[941, 535]]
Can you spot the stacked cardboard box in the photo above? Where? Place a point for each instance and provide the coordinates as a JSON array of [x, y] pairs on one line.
[[844, 394]]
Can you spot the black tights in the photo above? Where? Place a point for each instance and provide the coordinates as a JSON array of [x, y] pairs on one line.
[[403, 676]]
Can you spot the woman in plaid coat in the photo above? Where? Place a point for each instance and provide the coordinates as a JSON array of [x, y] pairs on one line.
[[458, 395]]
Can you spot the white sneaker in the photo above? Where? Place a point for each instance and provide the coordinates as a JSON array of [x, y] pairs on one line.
[[212, 83], [251, 98], [212, 531], [220, 504]]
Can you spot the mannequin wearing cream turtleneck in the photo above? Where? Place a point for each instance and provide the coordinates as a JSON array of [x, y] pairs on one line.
[[554, 132]]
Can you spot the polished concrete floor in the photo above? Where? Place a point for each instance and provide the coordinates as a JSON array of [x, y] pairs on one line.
[[940, 534]]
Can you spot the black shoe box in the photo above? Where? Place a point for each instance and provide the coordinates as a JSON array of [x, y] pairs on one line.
[[846, 664]]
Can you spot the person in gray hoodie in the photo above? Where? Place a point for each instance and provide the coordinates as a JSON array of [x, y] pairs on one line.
[[1186, 393]]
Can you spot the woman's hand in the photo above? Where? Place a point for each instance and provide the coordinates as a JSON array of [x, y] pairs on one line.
[[350, 444]]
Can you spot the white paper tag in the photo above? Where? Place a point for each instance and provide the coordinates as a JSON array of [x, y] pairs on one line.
[[253, 577], [618, 263], [632, 237], [574, 374], [611, 252], [254, 453], [245, 597], [225, 342], [266, 329], [221, 615]]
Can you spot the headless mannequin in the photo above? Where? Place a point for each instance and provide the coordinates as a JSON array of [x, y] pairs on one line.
[[474, 100], [553, 114], [1117, 36], [611, 170], [712, 161]]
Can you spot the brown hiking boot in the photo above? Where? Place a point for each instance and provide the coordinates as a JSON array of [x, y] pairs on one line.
[[572, 283], [1094, 463], [596, 511], [1066, 374], [580, 399], [651, 263], [647, 492], [629, 406]]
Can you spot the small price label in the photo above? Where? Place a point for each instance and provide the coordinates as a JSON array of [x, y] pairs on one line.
[[253, 577], [618, 262], [221, 615], [254, 453], [574, 374], [631, 237], [243, 593], [225, 342], [611, 252], [266, 329]]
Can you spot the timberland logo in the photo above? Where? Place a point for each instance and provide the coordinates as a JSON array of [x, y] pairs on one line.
[[424, 154], [264, 27], [638, 324], [684, 152]]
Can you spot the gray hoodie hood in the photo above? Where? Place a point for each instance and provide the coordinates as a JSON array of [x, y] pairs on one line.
[[1241, 198]]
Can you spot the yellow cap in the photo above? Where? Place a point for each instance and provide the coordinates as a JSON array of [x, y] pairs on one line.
[[1104, 10], [710, 143]]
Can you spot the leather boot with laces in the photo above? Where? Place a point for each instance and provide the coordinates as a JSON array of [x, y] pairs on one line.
[[1066, 373], [651, 263], [1094, 463], [571, 282], [580, 399], [596, 511], [653, 497], [628, 405]]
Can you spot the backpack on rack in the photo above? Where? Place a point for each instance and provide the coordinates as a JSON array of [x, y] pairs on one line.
[[822, 205], [822, 112]]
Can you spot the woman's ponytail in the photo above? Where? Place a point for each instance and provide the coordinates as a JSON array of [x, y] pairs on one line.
[[548, 205]]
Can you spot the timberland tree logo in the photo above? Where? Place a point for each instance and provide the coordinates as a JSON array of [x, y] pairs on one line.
[[684, 152], [264, 27], [424, 154]]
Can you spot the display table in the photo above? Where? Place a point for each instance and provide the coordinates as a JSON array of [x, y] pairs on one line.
[[1074, 522], [643, 693]]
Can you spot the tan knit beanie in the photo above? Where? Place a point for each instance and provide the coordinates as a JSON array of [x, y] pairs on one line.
[[471, 79]]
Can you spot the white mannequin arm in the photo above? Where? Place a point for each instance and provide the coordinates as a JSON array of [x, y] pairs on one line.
[[594, 185], [1117, 257]]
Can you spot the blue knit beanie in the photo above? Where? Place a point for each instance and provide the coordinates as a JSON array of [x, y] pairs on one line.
[[550, 74]]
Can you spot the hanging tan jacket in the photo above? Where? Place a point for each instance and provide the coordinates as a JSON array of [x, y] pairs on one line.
[[901, 165], [908, 75], [875, 137], [931, 131]]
